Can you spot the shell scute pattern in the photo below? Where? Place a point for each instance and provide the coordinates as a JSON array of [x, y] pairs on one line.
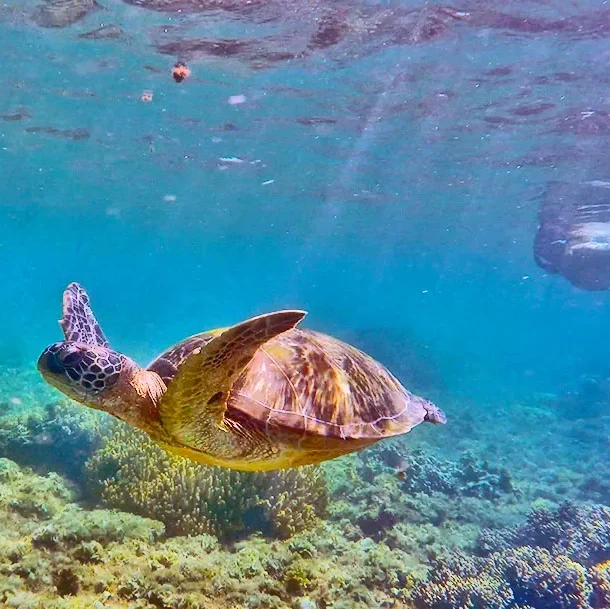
[[308, 382]]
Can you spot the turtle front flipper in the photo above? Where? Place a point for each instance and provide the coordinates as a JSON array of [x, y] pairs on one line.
[[78, 322], [192, 409]]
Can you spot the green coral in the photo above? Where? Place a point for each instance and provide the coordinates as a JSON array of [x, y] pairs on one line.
[[298, 578], [131, 473], [71, 557], [20, 498], [74, 526]]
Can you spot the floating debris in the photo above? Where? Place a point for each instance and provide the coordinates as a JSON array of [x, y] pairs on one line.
[[231, 159], [180, 71], [235, 100]]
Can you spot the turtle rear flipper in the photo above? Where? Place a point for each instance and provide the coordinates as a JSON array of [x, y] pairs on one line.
[[197, 397], [78, 322]]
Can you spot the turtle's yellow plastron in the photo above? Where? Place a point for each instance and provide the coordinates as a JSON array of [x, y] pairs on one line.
[[260, 395]]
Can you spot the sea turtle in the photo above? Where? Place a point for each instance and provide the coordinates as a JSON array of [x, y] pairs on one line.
[[259, 395]]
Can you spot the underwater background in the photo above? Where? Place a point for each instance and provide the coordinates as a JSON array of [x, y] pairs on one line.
[[379, 165]]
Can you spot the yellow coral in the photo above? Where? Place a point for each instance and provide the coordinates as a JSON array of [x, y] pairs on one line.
[[298, 578], [600, 579], [131, 473]]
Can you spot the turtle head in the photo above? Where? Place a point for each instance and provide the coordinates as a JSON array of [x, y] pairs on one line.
[[86, 373], [103, 379], [86, 369]]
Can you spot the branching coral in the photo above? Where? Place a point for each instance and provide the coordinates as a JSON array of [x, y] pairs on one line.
[[517, 578], [551, 562], [423, 473], [600, 578], [580, 532], [132, 473], [454, 591]]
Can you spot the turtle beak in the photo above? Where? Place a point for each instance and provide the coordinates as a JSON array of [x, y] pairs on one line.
[[49, 360]]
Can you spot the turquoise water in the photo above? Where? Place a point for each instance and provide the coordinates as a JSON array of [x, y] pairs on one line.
[[390, 188]]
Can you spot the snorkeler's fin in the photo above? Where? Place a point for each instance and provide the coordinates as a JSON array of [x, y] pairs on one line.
[[78, 322]]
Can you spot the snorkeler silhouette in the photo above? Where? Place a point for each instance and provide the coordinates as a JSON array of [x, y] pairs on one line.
[[573, 237]]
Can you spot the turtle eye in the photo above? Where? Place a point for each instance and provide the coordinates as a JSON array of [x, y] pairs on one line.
[[53, 362], [71, 360], [60, 358]]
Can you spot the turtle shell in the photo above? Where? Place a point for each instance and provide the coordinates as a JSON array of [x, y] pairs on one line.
[[311, 383]]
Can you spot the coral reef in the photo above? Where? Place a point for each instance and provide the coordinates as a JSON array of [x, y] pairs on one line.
[[20, 499], [75, 525], [59, 436], [584, 398], [390, 489], [420, 472], [581, 532], [60, 556], [403, 528], [519, 578], [557, 560], [131, 473]]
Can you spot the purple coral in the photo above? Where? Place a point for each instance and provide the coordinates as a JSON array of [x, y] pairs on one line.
[[580, 532], [516, 578], [558, 559]]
